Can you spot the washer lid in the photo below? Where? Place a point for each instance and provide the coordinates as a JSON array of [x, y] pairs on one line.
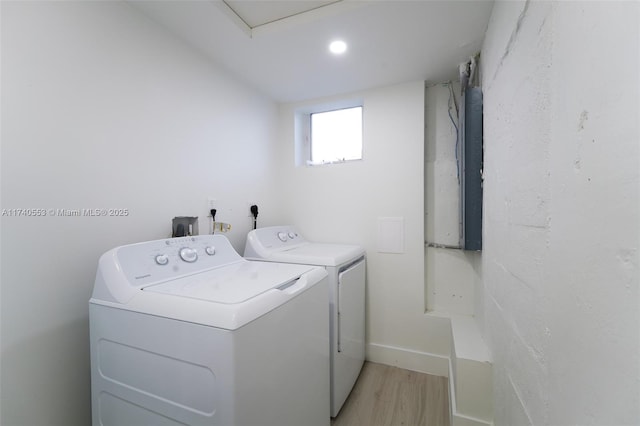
[[317, 254], [226, 298], [233, 284]]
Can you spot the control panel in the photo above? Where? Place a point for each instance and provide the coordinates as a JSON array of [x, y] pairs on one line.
[[156, 261], [273, 237], [285, 236]]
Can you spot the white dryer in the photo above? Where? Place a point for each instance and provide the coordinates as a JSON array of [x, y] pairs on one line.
[[346, 267], [184, 331]]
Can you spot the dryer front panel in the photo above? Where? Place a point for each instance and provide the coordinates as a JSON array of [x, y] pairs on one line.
[[350, 331]]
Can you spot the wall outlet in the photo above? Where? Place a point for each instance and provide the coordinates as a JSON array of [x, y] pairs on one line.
[[248, 209]]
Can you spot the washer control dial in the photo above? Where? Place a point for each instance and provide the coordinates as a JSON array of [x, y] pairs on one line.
[[291, 235], [210, 250], [282, 236], [188, 254], [162, 259]]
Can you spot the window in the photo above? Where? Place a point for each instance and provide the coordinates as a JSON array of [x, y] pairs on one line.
[[336, 136]]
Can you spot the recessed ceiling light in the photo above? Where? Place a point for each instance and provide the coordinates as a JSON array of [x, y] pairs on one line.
[[338, 47]]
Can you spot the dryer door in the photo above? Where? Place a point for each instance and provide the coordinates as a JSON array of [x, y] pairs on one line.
[[351, 311]]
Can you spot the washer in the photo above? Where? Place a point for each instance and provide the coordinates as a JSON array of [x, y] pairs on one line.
[[346, 267], [184, 331]]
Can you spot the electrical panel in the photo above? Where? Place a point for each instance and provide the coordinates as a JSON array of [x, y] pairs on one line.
[[471, 179]]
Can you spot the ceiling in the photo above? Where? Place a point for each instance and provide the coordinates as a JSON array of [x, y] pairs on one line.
[[257, 13], [280, 47]]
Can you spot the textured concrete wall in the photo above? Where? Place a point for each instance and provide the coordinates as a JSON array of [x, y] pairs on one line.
[[560, 260]]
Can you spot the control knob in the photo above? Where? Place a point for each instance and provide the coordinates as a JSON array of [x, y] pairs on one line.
[[188, 254]]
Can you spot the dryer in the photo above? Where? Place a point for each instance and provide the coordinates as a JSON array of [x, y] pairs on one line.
[[184, 331], [345, 265]]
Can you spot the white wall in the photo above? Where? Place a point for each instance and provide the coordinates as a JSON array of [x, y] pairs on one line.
[[103, 109], [342, 203], [561, 208]]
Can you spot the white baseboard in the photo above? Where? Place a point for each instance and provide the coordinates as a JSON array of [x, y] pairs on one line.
[[424, 362], [462, 420]]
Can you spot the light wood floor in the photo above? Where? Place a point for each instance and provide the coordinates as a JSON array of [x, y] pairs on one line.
[[391, 396]]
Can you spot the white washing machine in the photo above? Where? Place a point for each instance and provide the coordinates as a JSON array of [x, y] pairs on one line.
[[346, 267], [184, 331]]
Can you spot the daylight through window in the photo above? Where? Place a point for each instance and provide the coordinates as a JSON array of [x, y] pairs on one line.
[[336, 135]]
